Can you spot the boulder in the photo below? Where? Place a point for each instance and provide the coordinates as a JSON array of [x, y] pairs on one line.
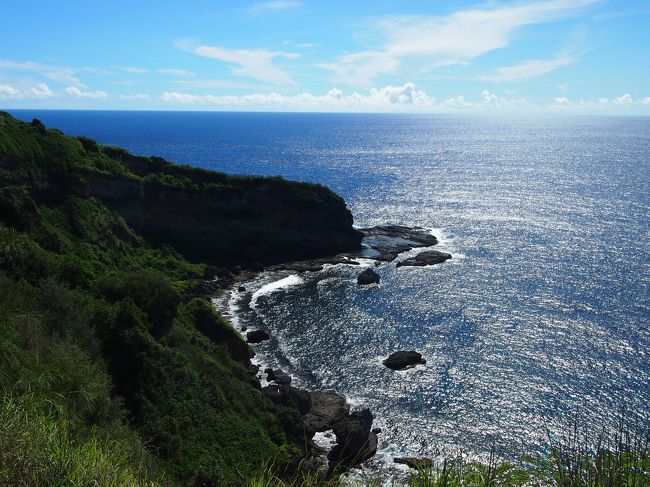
[[417, 463], [403, 360], [257, 336], [278, 376], [285, 395], [241, 289], [326, 409], [354, 440], [367, 277], [429, 257]]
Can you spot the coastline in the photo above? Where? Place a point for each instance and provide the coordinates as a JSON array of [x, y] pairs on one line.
[[382, 245]]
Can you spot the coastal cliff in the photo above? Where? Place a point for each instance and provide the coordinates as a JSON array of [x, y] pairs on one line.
[[208, 216], [108, 341]]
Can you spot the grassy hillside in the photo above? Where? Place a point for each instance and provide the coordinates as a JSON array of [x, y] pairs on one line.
[[105, 377]]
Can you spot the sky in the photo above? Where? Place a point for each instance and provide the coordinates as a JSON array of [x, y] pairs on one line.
[[447, 56]]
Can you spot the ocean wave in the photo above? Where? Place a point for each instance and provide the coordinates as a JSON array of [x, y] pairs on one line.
[[292, 280]]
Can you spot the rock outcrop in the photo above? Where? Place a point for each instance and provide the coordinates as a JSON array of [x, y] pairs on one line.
[[368, 277], [278, 376], [387, 241], [257, 336], [327, 408], [403, 360], [428, 257], [355, 442]]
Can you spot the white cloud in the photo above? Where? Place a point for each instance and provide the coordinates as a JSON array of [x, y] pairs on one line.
[[9, 93], [41, 90], [601, 104], [623, 100], [176, 72], [528, 69], [76, 92], [428, 42], [59, 74], [215, 84], [251, 63], [65, 77], [386, 98], [275, 5], [458, 101], [403, 98], [135, 96], [132, 69]]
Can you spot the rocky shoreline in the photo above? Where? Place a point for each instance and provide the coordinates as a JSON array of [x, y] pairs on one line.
[[352, 439]]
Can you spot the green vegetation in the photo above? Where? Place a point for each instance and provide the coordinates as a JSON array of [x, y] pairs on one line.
[[106, 377], [115, 370]]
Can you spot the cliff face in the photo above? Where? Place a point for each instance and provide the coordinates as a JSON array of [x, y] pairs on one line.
[[266, 222], [206, 215], [87, 302]]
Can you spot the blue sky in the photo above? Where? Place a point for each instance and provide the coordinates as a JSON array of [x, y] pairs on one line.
[[539, 56]]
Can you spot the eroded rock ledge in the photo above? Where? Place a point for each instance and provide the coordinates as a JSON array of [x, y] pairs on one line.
[[382, 243], [324, 411]]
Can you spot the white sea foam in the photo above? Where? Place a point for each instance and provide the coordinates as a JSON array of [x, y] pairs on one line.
[[292, 280]]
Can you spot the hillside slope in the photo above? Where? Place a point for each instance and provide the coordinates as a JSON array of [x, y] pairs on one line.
[[101, 347]]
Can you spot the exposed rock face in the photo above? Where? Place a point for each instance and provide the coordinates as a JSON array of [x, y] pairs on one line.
[[354, 440], [387, 241], [286, 395], [428, 257], [226, 220], [326, 409], [417, 463], [278, 376], [368, 277], [257, 336], [221, 332], [403, 360]]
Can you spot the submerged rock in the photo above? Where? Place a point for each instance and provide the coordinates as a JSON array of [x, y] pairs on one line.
[[418, 463], [257, 336], [403, 360], [429, 257], [368, 277]]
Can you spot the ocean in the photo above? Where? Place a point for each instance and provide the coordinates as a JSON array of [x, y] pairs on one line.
[[541, 316]]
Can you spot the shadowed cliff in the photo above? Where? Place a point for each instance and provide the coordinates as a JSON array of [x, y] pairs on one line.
[[208, 216]]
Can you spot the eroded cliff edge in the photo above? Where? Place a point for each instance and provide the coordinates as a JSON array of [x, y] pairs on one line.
[[208, 216]]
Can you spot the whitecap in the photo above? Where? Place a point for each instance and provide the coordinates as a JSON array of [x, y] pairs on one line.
[[292, 280]]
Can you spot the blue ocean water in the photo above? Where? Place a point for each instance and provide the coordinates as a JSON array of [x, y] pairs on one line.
[[542, 312]]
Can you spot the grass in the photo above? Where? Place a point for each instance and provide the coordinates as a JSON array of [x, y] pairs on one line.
[[40, 445]]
